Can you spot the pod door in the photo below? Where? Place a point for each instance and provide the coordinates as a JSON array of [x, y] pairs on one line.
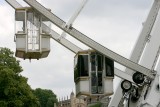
[[96, 61]]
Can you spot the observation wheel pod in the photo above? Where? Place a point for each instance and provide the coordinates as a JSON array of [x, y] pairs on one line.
[[93, 74], [31, 41]]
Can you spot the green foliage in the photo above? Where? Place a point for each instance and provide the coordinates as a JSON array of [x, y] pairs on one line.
[[3, 104], [8, 61], [14, 90], [46, 97], [96, 105], [51, 101]]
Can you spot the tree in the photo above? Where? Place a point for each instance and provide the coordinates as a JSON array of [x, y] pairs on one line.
[[46, 97], [96, 105], [51, 101], [14, 90]]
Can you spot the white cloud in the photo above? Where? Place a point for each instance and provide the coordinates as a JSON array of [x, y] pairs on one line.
[[113, 23]]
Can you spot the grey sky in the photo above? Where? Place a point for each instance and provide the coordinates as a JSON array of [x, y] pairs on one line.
[[115, 24]]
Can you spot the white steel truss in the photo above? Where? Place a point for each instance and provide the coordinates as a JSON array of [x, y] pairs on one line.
[[89, 42]]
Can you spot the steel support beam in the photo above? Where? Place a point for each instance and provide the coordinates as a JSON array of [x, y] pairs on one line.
[[66, 43], [89, 42], [138, 48]]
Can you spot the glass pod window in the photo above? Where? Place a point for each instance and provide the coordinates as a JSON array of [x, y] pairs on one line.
[[96, 73], [109, 67], [33, 26], [81, 66], [45, 25], [100, 62], [20, 21]]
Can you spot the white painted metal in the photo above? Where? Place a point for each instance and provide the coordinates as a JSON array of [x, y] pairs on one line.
[[66, 43], [72, 19], [108, 86], [82, 87], [145, 33], [149, 59], [138, 48], [123, 74], [75, 15], [89, 42], [13, 3], [153, 96], [152, 46]]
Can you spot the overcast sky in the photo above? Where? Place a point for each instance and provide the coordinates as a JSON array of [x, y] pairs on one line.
[[115, 24]]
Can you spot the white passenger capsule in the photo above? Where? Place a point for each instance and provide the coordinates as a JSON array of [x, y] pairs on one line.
[[93, 74], [31, 41]]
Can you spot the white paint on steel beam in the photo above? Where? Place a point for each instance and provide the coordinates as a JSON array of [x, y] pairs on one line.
[[89, 42], [73, 18], [138, 48], [13, 3]]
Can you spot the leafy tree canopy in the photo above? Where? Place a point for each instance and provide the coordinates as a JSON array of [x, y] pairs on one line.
[[14, 90], [96, 105], [46, 97]]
